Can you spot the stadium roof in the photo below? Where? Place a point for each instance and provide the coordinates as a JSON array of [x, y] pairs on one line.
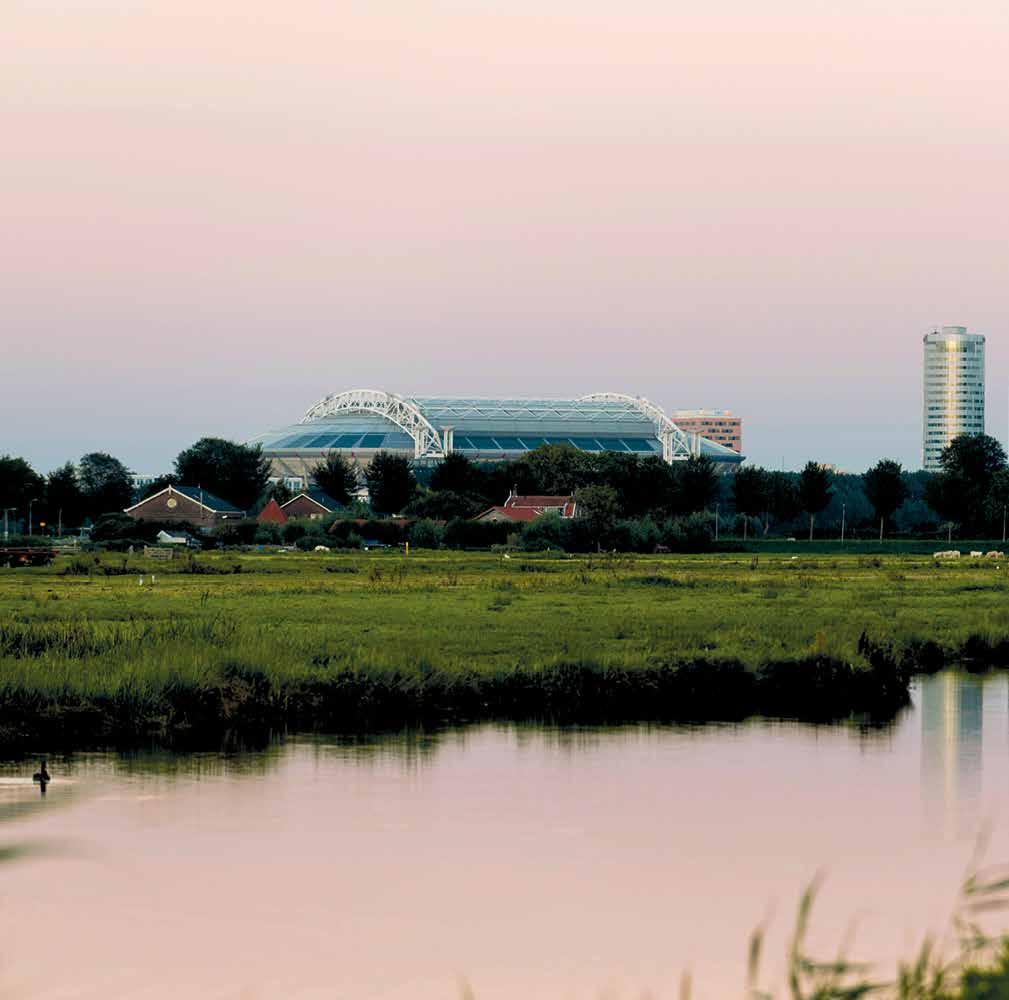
[[431, 426]]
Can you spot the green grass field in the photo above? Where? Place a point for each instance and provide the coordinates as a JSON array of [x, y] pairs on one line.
[[297, 618]]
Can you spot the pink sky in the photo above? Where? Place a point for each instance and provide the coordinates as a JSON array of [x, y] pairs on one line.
[[210, 220]]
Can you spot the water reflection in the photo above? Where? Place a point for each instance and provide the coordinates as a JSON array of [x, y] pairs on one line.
[[533, 861], [952, 713]]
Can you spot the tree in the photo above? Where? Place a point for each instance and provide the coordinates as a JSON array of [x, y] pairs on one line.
[[425, 534], [106, 484], [782, 498], [599, 508], [19, 484], [238, 473], [997, 503], [961, 491], [750, 492], [336, 477], [559, 469], [278, 491], [455, 473], [391, 483], [443, 506], [885, 489], [698, 483], [64, 499], [157, 485], [814, 491]]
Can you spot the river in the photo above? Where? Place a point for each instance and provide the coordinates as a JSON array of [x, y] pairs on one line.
[[527, 862]]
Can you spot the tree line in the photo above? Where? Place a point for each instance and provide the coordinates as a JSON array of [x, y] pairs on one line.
[[970, 493]]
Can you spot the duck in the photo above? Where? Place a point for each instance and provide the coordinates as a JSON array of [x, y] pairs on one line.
[[42, 775]]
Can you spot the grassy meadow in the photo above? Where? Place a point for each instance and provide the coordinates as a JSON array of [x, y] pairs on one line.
[[356, 640]]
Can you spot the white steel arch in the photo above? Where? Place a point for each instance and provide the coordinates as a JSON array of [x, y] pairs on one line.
[[427, 442], [677, 444]]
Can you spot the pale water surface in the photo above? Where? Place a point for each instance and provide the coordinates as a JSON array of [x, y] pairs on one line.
[[529, 862]]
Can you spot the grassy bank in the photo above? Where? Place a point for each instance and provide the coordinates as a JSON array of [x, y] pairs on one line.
[[89, 655]]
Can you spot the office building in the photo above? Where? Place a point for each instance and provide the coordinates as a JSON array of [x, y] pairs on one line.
[[719, 426], [953, 396]]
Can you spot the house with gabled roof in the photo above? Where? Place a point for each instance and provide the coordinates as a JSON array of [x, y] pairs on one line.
[[313, 503], [271, 514], [521, 508], [192, 504]]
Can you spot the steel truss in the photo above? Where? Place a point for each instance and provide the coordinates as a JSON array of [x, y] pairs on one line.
[[677, 444], [427, 442]]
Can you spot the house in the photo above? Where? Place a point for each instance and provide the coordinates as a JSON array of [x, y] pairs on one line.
[[312, 503], [185, 503], [521, 509], [271, 514]]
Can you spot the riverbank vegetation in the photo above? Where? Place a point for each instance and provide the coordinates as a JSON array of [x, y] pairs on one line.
[[968, 963], [205, 645]]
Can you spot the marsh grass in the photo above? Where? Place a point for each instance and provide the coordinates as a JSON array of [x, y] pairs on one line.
[[541, 636]]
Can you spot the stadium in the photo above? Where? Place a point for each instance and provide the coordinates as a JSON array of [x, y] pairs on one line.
[[361, 422]]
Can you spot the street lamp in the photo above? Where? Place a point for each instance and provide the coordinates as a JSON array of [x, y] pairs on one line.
[[30, 502], [842, 524], [6, 510]]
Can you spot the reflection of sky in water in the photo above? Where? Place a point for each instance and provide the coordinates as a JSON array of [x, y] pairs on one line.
[[539, 863]]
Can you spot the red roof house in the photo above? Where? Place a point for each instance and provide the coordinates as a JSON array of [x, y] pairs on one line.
[[522, 509], [272, 514]]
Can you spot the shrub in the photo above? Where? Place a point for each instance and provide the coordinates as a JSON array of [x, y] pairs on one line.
[[463, 534], [426, 534], [292, 531], [267, 534], [79, 567]]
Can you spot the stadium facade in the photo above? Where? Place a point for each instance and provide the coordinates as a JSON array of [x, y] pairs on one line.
[[361, 422]]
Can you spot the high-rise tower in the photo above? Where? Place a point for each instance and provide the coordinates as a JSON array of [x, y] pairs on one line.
[[954, 389]]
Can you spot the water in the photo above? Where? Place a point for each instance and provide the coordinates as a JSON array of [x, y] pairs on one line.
[[527, 862]]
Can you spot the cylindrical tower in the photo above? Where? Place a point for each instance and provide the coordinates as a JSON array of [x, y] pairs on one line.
[[954, 390]]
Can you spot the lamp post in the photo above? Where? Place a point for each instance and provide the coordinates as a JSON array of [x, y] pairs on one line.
[[1003, 522], [6, 510], [842, 524], [30, 502]]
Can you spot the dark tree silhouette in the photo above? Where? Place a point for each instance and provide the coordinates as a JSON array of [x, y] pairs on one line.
[[19, 484], [885, 489], [814, 491], [238, 473], [750, 492], [64, 499], [961, 492], [336, 477], [391, 483], [106, 485], [698, 483]]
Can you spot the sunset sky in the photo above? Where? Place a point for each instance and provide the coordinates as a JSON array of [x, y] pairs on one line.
[[215, 213]]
